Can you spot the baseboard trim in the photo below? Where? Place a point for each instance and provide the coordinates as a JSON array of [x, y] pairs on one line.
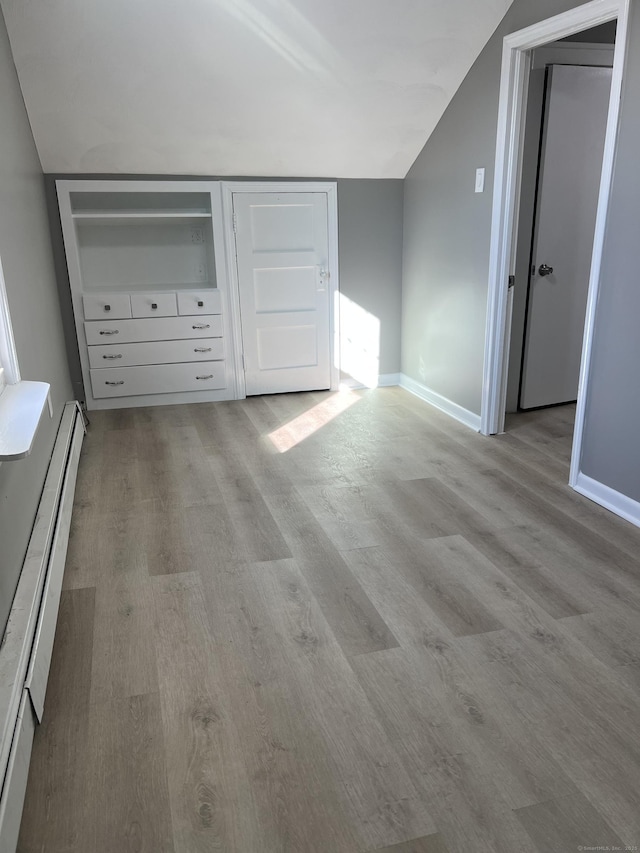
[[609, 498], [445, 405], [385, 380], [26, 652]]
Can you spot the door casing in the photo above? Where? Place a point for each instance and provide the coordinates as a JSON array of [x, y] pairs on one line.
[[229, 188], [516, 62]]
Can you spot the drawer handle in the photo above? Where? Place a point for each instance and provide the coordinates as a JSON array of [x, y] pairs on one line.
[[200, 304], [209, 376], [109, 331], [202, 326], [202, 349], [119, 382], [154, 305], [119, 355], [107, 307]]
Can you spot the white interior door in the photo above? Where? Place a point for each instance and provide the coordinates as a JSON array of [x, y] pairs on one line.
[[283, 276], [569, 181]]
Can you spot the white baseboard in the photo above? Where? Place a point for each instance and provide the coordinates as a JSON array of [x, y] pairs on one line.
[[385, 380], [607, 497], [439, 402], [25, 654]]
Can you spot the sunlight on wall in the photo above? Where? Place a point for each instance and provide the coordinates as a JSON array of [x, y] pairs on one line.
[[359, 343], [311, 421]]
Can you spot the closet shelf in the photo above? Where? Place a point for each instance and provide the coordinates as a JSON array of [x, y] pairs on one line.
[[141, 217]]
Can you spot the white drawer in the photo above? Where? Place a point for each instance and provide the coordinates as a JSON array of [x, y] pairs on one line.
[[153, 329], [99, 305], [156, 352], [157, 379], [153, 305], [199, 302]]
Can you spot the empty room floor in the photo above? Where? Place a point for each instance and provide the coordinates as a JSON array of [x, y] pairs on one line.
[[338, 622]]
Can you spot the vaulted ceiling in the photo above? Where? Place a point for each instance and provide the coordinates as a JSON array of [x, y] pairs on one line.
[[322, 88]]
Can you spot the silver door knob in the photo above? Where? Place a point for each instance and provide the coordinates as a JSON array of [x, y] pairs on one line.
[[545, 269]]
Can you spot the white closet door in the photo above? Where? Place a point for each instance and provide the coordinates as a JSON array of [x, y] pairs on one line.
[[282, 257], [570, 168]]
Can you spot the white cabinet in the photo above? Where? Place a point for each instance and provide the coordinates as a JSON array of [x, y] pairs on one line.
[[150, 293]]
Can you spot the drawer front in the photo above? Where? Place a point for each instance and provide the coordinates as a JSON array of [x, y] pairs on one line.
[[157, 379], [155, 352], [153, 305], [153, 329], [199, 302], [97, 306]]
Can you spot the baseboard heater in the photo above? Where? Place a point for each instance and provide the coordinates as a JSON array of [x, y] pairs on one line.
[[25, 654]]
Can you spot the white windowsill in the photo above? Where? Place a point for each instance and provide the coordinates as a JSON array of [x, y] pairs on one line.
[[21, 408]]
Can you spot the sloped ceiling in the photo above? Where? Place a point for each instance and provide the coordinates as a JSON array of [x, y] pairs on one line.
[[323, 88]]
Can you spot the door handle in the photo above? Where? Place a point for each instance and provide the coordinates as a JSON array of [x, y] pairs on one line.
[[323, 275], [545, 269]]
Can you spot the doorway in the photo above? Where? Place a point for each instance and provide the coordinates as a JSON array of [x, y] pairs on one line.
[[516, 68], [282, 239], [566, 118]]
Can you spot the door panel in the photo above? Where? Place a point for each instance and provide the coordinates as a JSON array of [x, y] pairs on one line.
[[282, 257], [570, 168]]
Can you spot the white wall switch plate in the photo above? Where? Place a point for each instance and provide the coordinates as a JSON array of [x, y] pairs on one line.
[[479, 180]]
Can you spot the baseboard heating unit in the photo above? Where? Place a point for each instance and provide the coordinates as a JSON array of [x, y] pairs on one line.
[[25, 654]]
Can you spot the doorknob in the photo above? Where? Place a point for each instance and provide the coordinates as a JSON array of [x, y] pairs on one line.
[[323, 274], [544, 269]]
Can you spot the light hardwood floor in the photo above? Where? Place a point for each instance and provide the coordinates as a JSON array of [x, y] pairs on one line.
[[317, 622]]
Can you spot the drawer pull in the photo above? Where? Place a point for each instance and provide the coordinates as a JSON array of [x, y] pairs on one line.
[[109, 331], [154, 305], [200, 303], [202, 326], [107, 307], [119, 382], [119, 355], [209, 376], [202, 349]]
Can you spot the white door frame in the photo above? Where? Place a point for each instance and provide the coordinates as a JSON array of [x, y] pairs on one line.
[[231, 187], [516, 63]]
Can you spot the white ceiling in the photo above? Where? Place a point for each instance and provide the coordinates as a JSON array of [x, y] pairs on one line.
[[322, 88]]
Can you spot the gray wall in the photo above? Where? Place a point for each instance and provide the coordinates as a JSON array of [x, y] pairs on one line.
[[25, 248], [447, 228], [370, 242], [370, 256], [610, 449], [604, 34]]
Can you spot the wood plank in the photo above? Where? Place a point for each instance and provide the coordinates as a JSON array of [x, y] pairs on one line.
[[593, 750], [209, 790], [299, 801], [355, 622], [105, 549], [126, 801], [548, 588], [258, 534], [568, 823], [428, 689], [380, 797], [427, 844], [189, 539], [124, 659]]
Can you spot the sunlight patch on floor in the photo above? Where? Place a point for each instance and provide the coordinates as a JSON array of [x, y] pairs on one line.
[[306, 424]]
